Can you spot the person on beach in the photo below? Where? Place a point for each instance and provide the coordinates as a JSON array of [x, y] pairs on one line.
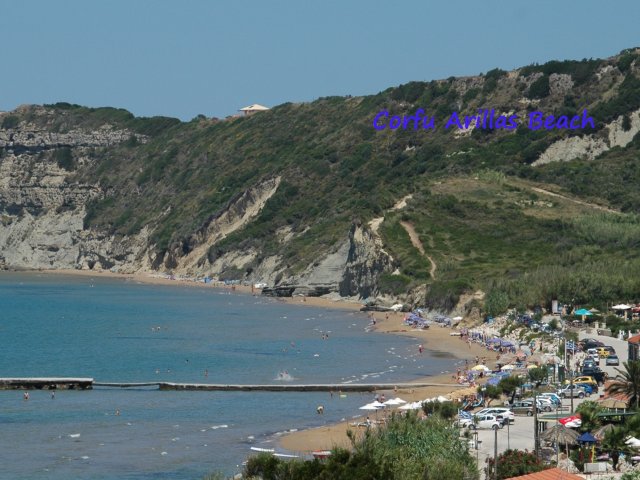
[[420, 349], [320, 409], [25, 395]]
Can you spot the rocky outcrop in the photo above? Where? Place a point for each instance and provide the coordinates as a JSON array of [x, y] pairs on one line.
[[42, 212], [590, 146]]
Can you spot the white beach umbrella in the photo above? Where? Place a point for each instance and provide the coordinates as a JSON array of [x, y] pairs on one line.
[[409, 406], [621, 306], [377, 404], [508, 367], [632, 442], [398, 400], [391, 402], [368, 406]]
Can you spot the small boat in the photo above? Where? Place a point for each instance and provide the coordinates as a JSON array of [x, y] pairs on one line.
[[321, 453], [263, 450]]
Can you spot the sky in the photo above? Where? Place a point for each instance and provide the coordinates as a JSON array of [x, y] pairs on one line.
[[185, 58]]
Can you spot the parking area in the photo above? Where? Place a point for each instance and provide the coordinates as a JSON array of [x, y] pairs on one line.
[[520, 435]]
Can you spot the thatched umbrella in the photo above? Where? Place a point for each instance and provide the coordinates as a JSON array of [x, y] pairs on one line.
[[562, 435], [603, 430], [537, 358], [612, 402], [506, 358]]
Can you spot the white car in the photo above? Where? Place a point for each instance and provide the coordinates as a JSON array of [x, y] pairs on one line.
[[481, 421], [498, 412]]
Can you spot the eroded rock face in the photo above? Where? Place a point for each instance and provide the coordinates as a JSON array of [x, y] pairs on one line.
[[590, 146], [42, 212]]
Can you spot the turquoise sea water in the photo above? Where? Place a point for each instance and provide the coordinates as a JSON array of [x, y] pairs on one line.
[[117, 330]]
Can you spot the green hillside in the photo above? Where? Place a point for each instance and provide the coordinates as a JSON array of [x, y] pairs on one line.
[[485, 216]]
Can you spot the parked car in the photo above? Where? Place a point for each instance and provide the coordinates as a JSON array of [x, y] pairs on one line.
[[572, 391], [482, 421], [498, 412], [595, 357], [609, 349], [523, 407], [553, 397], [588, 388], [612, 359], [595, 372], [584, 379]]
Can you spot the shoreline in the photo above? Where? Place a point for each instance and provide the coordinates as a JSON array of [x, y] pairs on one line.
[[435, 339]]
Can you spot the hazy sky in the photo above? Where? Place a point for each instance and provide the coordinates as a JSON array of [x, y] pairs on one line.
[[158, 57]]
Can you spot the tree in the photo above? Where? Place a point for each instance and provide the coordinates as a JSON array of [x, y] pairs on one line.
[[510, 385], [491, 392], [627, 382], [513, 463], [614, 442], [589, 411], [538, 375], [446, 410]]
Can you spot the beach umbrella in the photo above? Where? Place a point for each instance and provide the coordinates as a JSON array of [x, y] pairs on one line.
[[377, 404], [632, 442], [508, 367], [495, 340], [587, 438], [537, 357], [573, 421], [621, 306], [602, 431], [368, 406], [612, 402], [480, 367], [561, 434], [583, 312], [506, 343], [411, 406], [506, 358], [398, 400]]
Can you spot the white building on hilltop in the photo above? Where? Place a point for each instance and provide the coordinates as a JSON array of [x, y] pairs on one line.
[[251, 109]]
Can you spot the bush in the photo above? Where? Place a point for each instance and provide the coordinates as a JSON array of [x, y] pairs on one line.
[[540, 88], [406, 449], [514, 463], [64, 159], [10, 121]]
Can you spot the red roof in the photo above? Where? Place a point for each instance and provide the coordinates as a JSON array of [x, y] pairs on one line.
[[634, 339], [550, 474]]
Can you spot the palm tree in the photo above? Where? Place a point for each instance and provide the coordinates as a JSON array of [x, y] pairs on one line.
[[628, 382], [589, 411]]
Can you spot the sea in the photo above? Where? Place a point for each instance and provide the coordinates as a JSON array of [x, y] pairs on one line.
[[120, 330]]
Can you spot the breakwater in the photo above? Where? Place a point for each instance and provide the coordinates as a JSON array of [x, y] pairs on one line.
[[64, 383]]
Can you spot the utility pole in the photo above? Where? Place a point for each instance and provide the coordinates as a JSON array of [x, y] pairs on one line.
[[495, 454], [535, 424]]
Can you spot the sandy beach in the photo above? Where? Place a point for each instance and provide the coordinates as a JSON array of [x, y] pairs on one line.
[[436, 338]]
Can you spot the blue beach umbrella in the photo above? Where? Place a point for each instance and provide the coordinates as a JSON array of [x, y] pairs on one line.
[[583, 311], [587, 438]]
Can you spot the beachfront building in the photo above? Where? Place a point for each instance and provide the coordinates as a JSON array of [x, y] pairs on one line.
[[255, 108], [634, 347]]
